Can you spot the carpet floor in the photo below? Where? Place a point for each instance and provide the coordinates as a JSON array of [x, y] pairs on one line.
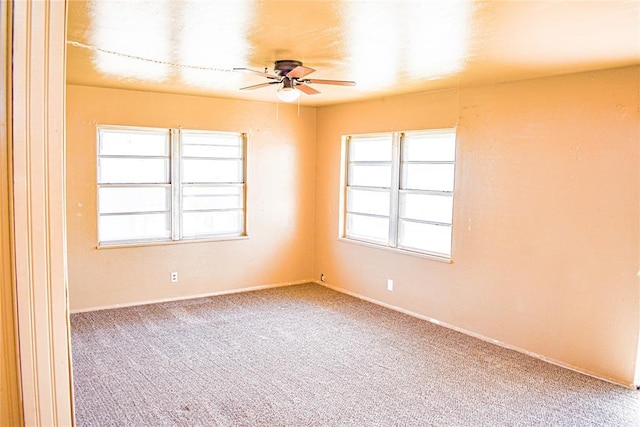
[[306, 355]]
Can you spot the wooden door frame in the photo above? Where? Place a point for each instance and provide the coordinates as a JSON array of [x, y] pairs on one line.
[[10, 408], [37, 142]]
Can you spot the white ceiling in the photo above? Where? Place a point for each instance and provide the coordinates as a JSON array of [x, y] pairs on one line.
[[387, 47]]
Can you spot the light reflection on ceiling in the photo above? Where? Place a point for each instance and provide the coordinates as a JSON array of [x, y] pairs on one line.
[[216, 22], [420, 40], [139, 32], [372, 44], [388, 47], [438, 38]]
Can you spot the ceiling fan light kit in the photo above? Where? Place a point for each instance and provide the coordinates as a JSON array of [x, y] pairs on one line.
[[289, 75], [288, 94]]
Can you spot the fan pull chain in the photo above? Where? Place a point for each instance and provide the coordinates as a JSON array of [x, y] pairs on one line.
[[140, 58]]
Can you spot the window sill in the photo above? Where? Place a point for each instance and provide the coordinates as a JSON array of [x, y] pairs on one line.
[[396, 250], [169, 242]]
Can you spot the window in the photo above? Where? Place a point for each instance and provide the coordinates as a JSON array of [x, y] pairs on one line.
[[399, 190], [169, 184]]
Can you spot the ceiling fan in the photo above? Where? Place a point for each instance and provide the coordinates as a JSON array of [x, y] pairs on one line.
[[290, 75]]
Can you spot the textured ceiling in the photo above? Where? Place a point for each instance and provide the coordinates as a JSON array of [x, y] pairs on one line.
[[387, 47]]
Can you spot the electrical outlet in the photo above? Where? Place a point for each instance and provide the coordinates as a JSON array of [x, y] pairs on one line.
[[322, 277], [390, 285], [174, 277]]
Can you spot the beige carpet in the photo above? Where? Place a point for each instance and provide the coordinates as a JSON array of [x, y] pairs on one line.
[[309, 356]]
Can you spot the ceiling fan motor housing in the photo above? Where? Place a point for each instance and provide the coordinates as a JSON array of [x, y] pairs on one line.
[[291, 74], [283, 67]]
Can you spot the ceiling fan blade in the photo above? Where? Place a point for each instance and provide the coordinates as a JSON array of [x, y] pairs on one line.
[[330, 82], [307, 89], [258, 86], [300, 71], [259, 73]]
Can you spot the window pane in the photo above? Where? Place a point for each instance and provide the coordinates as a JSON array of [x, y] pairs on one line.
[[426, 207], [212, 223], [113, 228], [429, 146], [370, 149], [368, 228], [212, 144], [132, 170], [220, 151], [133, 199], [134, 143], [368, 201], [425, 237], [201, 170], [369, 175], [211, 138], [421, 176], [194, 198]]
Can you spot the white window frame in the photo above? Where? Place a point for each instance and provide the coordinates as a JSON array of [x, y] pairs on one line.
[[395, 190], [175, 185]]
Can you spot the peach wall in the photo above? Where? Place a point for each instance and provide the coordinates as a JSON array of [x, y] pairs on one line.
[[546, 216], [280, 197]]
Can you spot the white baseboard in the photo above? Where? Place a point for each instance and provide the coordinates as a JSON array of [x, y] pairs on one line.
[[185, 297], [479, 336]]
